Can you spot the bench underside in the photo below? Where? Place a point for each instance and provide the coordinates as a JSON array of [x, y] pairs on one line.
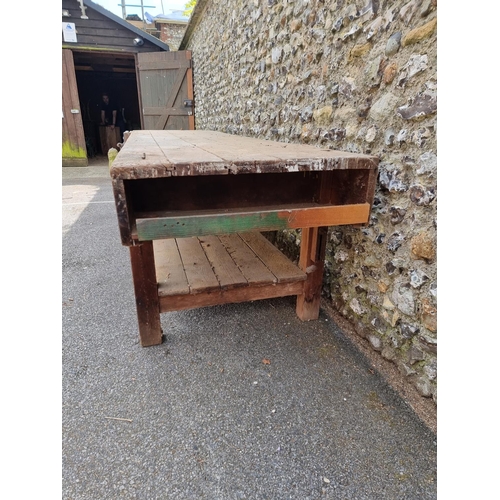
[[218, 269]]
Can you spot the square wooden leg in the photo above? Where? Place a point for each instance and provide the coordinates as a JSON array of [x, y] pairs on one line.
[[312, 257], [146, 293]]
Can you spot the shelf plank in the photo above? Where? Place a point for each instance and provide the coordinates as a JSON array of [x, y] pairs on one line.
[[195, 272], [248, 263], [224, 268], [284, 270], [169, 268], [196, 266]]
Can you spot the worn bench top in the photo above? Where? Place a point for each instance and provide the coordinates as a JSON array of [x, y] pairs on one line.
[[166, 153]]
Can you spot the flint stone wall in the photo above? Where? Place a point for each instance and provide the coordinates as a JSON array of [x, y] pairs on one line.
[[171, 34], [356, 76]]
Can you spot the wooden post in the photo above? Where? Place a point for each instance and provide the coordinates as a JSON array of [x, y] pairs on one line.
[[146, 293], [109, 138], [312, 257]]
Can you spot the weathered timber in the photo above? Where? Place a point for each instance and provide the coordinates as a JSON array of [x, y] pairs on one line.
[[226, 271], [165, 82], [252, 268], [224, 222], [212, 265], [233, 296], [146, 293], [196, 266], [169, 268], [109, 137], [217, 153], [102, 29], [284, 270], [74, 151], [191, 205], [311, 261]]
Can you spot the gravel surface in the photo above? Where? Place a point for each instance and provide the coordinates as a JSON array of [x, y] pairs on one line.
[[241, 401]]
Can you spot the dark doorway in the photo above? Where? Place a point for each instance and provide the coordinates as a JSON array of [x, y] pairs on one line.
[[105, 72]]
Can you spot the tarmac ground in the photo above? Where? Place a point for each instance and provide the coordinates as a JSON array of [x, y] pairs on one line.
[[241, 401]]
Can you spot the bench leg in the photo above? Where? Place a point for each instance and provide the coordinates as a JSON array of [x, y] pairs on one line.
[[312, 257], [146, 293]]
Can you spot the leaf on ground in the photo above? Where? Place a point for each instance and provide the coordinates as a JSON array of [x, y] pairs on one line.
[[266, 361]]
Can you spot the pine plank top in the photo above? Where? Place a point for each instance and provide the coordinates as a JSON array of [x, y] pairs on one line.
[[165, 153]]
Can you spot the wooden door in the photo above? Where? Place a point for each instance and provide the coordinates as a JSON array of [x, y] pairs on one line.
[[166, 90], [74, 151]]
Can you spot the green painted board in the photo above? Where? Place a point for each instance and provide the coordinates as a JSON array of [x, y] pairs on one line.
[[181, 226]]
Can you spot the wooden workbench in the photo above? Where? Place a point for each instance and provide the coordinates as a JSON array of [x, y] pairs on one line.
[[191, 206]]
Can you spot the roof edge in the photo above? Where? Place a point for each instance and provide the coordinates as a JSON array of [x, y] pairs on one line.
[[169, 21], [194, 20], [126, 24]]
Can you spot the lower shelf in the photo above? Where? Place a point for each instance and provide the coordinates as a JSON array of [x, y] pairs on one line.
[[210, 270]]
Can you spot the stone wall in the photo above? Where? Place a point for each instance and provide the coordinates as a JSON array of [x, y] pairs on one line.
[[357, 76], [171, 33]]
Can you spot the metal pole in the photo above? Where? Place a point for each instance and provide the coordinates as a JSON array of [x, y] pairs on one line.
[[124, 12]]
